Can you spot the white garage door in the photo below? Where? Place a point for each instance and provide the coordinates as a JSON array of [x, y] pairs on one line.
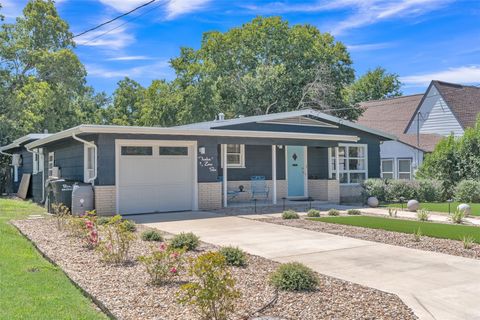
[[155, 176]]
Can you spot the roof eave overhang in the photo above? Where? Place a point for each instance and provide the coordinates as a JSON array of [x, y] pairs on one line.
[[190, 132]]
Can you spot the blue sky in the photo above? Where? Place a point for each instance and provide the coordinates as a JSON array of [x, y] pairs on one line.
[[418, 39]]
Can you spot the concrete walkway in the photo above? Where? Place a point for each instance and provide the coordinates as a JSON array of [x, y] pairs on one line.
[[434, 285]]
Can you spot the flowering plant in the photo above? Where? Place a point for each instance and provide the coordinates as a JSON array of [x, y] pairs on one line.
[[91, 237], [115, 241], [164, 263]]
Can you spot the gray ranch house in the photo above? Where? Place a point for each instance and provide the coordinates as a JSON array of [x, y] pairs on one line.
[[210, 165]]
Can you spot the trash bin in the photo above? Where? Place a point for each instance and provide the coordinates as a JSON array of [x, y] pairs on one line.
[[59, 192]]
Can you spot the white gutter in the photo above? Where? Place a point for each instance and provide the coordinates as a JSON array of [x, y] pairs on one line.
[[94, 146], [5, 153], [191, 132]]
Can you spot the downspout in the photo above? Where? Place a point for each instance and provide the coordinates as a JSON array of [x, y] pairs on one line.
[[94, 146], [43, 172]]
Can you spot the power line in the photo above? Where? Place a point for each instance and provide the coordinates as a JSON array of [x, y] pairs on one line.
[[122, 24], [116, 18]]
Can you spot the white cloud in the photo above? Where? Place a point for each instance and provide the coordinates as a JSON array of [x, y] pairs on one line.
[[369, 46], [465, 74], [363, 12], [172, 8], [115, 39], [129, 58], [155, 70], [11, 8]]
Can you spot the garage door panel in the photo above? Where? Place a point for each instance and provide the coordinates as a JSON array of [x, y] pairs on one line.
[[156, 183]]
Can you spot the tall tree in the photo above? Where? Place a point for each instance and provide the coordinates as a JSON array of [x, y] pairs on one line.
[[374, 85], [127, 101], [261, 67]]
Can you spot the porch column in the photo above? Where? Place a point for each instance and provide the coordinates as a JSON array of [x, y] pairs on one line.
[[274, 174], [224, 166], [337, 163]]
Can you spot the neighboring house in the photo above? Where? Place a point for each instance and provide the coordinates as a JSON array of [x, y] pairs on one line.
[[25, 161], [152, 169], [420, 121]]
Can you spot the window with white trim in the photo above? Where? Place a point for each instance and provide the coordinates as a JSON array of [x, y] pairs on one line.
[[235, 155], [88, 163], [51, 163], [387, 169], [353, 163], [36, 162], [405, 169]]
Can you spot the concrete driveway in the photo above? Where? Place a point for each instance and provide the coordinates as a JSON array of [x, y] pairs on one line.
[[434, 285]]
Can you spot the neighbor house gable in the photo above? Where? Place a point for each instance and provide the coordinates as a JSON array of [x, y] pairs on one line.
[[433, 115]]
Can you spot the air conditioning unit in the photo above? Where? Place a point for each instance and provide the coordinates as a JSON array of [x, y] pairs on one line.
[[55, 172], [17, 160]]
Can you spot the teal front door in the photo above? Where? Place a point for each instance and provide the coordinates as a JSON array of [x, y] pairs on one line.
[[296, 171]]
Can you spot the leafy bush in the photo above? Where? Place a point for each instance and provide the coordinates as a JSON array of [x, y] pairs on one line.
[[62, 214], [115, 241], [375, 188], [151, 235], [164, 263], [333, 212], [290, 214], [234, 256], [101, 221], [457, 216], [430, 191], [130, 225], [423, 215], [468, 191], [468, 242], [392, 212], [188, 240], [313, 213], [354, 212], [294, 276], [417, 235], [401, 188], [213, 291]]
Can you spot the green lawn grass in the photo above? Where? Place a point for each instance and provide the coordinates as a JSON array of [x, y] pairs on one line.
[[440, 206], [437, 230], [31, 287]]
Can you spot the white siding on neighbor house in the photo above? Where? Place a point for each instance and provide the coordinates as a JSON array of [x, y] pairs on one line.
[[396, 150], [436, 117]]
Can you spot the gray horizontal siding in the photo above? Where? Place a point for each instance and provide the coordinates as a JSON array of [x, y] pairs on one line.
[[68, 157]]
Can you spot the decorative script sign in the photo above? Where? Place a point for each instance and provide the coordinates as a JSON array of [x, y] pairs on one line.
[[206, 162]]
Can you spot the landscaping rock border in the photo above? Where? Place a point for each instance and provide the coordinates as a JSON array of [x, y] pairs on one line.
[[125, 291], [426, 243]]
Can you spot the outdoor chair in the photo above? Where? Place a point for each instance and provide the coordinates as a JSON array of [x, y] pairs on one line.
[[259, 187]]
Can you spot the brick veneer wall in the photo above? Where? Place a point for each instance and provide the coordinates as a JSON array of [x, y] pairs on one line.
[[209, 195], [105, 200]]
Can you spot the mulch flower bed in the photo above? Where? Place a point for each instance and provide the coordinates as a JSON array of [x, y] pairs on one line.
[[125, 290], [447, 246]]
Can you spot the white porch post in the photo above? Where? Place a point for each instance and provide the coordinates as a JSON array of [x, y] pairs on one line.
[[337, 163], [224, 166], [274, 174]]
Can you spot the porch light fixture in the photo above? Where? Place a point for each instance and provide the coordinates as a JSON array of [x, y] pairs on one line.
[[280, 146], [201, 150]]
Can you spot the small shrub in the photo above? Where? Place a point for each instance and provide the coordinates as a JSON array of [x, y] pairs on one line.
[[294, 276], [116, 240], [333, 212], [101, 221], [151, 235], [61, 214], [290, 214], [468, 242], [163, 264], [213, 291], [396, 189], [189, 241], [417, 235], [234, 256], [354, 212], [375, 188], [130, 225], [457, 216], [423, 215], [76, 226], [313, 213], [392, 212], [91, 236], [468, 191], [430, 190]]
